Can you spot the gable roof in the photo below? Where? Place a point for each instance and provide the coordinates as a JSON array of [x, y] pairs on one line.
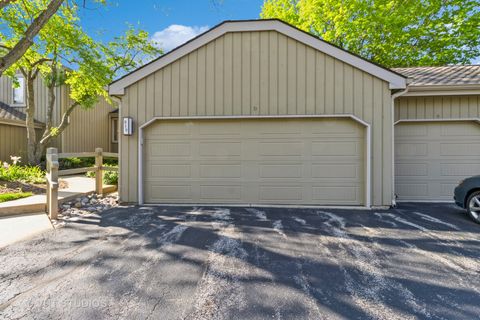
[[396, 80], [442, 76], [14, 116]]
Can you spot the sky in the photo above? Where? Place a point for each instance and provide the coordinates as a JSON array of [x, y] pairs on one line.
[[169, 22]]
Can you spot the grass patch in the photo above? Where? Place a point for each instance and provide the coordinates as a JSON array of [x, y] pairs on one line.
[[14, 196], [26, 174]]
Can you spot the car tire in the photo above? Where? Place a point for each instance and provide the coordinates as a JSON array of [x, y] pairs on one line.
[[473, 206]]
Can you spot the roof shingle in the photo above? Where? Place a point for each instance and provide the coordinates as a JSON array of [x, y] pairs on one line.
[[442, 76], [13, 114]]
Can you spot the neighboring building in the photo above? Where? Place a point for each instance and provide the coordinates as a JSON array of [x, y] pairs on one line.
[[259, 112], [437, 132], [87, 130]]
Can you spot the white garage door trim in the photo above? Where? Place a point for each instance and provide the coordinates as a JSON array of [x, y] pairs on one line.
[[477, 120], [353, 117]]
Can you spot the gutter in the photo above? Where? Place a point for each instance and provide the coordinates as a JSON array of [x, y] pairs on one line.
[[395, 96]]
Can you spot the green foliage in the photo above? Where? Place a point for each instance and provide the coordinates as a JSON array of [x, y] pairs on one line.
[[72, 163], [63, 42], [4, 197], [390, 32], [109, 177], [27, 174]]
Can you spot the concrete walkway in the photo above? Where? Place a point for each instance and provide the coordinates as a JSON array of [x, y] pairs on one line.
[[77, 186], [16, 228]]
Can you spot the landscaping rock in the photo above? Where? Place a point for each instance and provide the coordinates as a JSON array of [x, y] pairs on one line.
[[90, 205]]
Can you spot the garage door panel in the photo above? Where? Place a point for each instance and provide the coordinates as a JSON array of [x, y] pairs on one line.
[[220, 149], [261, 163], [334, 148], [464, 131], [411, 131], [463, 148], [337, 171], [460, 169], [169, 131], [280, 148], [233, 170], [412, 191], [169, 171], [281, 193], [169, 149], [222, 192], [411, 170], [336, 129], [446, 189], [165, 192], [409, 149], [281, 171], [450, 152], [333, 194]]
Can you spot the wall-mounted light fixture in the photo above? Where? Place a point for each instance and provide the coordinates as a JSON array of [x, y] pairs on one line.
[[127, 126]]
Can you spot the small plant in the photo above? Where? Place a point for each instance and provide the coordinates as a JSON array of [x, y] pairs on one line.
[[72, 163], [16, 172], [14, 196], [109, 177]]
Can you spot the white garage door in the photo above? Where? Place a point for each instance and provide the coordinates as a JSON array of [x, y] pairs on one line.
[[261, 161], [432, 157]]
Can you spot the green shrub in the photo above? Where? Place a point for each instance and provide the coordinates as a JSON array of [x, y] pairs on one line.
[[109, 177], [4, 197], [73, 163], [27, 174]]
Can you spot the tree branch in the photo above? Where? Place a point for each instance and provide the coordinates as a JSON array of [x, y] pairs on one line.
[[40, 61], [22, 46], [5, 3], [62, 126]]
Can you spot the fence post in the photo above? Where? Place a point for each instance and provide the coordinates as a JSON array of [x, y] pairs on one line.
[[52, 183], [98, 170]]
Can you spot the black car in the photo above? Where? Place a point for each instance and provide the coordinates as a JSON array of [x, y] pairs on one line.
[[467, 196]]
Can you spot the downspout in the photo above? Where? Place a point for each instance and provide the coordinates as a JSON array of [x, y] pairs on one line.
[[395, 96], [118, 100]]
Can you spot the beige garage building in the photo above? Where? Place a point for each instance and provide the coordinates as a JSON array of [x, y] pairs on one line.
[[437, 132], [259, 112]]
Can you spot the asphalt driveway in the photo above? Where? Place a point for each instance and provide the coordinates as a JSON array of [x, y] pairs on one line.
[[243, 263]]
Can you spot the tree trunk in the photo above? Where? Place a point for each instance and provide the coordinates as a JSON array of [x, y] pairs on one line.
[[49, 116], [63, 124], [32, 155], [24, 43]]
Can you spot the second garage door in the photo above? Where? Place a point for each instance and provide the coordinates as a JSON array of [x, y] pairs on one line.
[[257, 161], [432, 157]]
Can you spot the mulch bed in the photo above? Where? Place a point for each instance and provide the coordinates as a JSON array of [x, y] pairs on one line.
[[16, 186]]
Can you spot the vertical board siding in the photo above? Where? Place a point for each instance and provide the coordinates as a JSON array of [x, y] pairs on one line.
[[88, 129], [41, 98], [13, 142], [260, 73], [437, 107]]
